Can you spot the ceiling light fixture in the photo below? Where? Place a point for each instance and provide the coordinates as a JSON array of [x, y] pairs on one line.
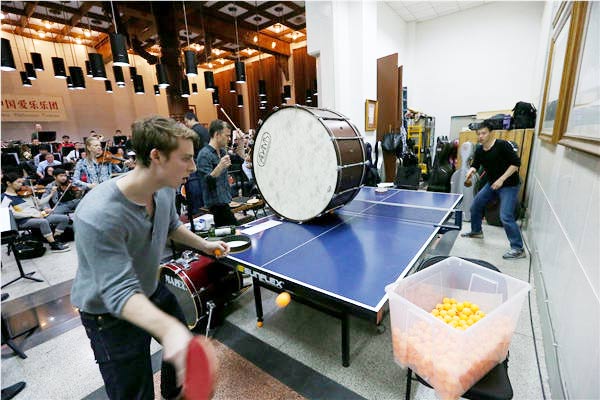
[[108, 86], [191, 66], [8, 61], [240, 67], [209, 79], [118, 46]]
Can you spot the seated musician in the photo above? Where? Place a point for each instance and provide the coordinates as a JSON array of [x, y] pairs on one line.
[[66, 142], [88, 172], [48, 176], [64, 195], [49, 161], [27, 213]]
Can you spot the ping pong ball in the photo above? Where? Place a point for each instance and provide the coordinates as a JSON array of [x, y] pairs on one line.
[[218, 252], [283, 299]]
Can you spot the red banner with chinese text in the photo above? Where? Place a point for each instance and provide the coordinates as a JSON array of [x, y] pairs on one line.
[[32, 108]]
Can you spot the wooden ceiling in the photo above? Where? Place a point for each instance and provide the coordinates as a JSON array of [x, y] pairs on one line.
[[262, 26]]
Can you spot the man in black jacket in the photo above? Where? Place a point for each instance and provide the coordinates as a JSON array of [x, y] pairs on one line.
[[191, 121], [501, 163]]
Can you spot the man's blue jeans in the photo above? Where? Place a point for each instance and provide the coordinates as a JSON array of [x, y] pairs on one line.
[[508, 206], [122, 351]]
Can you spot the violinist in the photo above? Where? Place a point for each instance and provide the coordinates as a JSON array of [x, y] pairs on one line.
[[27, 213], [64, 195], [95, 168]]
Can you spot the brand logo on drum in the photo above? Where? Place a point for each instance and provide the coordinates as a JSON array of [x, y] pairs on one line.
[[263, 148], [174, 282], [264, 278]]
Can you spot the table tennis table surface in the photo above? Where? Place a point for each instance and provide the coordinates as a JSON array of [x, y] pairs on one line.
[[353, 253]]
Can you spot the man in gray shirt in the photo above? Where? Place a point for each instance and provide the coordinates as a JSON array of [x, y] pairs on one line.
[[121, 228]]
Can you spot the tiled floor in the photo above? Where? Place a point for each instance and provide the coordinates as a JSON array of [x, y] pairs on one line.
[[60, 364]]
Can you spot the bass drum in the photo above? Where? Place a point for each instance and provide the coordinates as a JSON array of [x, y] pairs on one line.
[[196, 280], [308, 161]]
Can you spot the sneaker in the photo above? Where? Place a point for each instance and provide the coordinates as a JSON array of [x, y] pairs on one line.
[[514, 253], [58, 247], [478, 235]]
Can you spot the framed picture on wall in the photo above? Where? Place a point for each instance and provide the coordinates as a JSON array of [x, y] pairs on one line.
[[555, 64], [370, 115], [582, 127]]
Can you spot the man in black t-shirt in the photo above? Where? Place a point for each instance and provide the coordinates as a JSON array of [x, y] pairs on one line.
[[501, 163]]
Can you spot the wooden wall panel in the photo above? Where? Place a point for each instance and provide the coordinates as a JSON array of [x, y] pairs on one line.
[[387, 99], [305, 73]]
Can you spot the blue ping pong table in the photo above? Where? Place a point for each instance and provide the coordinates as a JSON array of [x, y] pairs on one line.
[[341, 262]]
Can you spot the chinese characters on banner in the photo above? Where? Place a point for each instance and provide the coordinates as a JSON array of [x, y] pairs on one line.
[[32, 108]]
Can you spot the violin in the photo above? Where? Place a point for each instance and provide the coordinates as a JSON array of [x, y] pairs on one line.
[[109, 158], [27, 191]]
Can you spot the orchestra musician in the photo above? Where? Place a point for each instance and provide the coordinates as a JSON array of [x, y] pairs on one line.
[[64, 195], [95, 168]]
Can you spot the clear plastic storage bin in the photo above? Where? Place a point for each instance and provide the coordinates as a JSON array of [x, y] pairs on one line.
[[449, 359]]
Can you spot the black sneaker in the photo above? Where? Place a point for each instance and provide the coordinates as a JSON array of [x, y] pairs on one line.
[[58, 247], [478, 235]]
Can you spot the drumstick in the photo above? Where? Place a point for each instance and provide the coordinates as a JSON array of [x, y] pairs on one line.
[[199, 370]]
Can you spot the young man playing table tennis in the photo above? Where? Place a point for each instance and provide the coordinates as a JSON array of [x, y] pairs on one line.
[[121, 229], [501, 164]]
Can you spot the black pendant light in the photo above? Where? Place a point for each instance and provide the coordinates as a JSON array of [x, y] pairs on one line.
[[209, 81], [118, 47], [283, 100], [156, 90], [138, 84], [77, 77], [70, 83], [191, 67], [262, 88], [24, 79], [287, 91], [31, 74], [316, 92], [194, 88], [215, 96], [88, 69], [97, 64], [36, 60], [240, 72], [308, 96], [58, 65], [108, 86], [232, 87], [8, 61], [240, 101], [185, 87], [132, 72], [119, 77], [161, 76]]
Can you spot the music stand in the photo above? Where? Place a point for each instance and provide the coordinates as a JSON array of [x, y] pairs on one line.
[[10, 232]]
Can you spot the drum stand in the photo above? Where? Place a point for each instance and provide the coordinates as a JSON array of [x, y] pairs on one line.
[[211, 306]]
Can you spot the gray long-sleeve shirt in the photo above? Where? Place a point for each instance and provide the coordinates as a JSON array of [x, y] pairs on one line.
[[119, 247]]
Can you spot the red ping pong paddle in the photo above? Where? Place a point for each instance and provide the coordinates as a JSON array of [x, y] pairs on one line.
[[200, 370]]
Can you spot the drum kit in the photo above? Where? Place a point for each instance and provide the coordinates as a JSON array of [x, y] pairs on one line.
[[307, 162]]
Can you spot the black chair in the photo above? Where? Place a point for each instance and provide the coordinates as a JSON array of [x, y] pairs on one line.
[[495, 385]]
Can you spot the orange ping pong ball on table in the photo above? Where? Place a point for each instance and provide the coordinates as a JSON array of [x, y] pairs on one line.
[[283, 299]]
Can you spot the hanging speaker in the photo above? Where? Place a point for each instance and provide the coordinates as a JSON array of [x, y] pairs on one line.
[[30, 71], [58, 65], [88, 69], [108, 86], [161, 76], [38, 63], [118, 47], [209, 81], [77, 77], [8, 61], [138, 84], [119, 76], [191, 66], [24, 79], [240, 72], [98, 70], [156, 90]]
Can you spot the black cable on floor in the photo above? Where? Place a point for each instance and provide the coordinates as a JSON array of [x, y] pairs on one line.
[[537, 359]]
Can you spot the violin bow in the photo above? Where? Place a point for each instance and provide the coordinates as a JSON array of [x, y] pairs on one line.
[[232, 124], [60, 198]]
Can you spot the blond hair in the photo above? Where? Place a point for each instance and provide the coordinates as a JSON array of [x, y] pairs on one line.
[[156, 132]]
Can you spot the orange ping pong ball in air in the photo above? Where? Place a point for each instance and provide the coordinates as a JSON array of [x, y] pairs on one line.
[[283, 299]]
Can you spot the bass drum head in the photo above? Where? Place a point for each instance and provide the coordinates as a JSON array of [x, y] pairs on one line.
[[182, 292], [295, 164]]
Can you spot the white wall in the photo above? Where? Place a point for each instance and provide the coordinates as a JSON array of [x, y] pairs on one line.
[[479, 59], [564, 234]]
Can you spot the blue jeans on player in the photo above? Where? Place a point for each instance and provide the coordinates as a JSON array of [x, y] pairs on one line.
[[508, 206], [122, 351]]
